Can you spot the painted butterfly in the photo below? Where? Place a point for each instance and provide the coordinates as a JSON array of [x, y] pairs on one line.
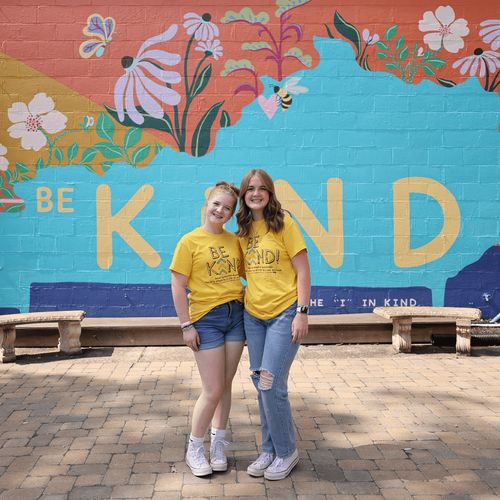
[[101, 30]]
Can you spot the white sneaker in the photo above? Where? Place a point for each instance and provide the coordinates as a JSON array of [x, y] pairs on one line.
[[197, 462], [281, 467], [257, 468], [218, 459]]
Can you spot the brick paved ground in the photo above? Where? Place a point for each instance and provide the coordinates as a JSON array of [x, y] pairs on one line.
[[112, 424]]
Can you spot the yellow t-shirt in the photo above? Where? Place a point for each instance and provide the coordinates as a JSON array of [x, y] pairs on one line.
[[271, 277], [212, 263]]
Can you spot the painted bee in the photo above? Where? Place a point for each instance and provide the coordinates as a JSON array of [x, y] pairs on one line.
[[283, 93]]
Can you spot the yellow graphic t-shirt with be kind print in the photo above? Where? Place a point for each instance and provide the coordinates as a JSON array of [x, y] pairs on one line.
[[213, 264], [271, 277]]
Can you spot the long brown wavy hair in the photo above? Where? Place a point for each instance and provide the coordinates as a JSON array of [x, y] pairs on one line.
[[273, 213]]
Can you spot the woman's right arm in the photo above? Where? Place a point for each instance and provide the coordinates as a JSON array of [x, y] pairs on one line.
[[179, 284]]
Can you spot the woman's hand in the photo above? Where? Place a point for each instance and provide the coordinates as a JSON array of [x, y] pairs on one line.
[[191, 339], [300, 327]]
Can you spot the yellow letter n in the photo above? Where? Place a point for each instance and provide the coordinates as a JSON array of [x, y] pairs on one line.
[[107, 224], [330, 242]]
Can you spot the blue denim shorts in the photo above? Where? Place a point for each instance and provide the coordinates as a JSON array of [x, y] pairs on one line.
[[222, 324]]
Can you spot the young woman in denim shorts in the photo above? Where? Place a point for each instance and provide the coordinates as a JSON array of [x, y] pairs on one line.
[[276, 306], [208, 262]]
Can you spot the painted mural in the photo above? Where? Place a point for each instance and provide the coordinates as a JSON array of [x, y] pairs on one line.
[[380, 125]]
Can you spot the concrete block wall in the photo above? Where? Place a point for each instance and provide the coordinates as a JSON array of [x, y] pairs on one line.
[[115, 117]]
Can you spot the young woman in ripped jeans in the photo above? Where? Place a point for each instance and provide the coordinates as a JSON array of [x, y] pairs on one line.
[[276, 306], [208, 261]]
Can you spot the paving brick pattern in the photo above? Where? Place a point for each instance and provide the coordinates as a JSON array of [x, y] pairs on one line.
[[112, 423]]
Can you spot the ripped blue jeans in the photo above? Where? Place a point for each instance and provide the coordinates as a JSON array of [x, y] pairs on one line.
[[272, 352]]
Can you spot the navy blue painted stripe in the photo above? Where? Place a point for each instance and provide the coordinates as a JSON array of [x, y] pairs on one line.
[[142, 300], [9, 310]]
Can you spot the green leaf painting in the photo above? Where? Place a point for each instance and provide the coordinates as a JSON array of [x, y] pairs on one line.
[[106, 166], [328, 31], [14, 208], [201, 137], [20, 173], [347, 30], [164, 124], [390, 33], [247, 15], [255, 46], [436, 62], [6, 193], [59, 155], [286, 5], [140, 154], [429, 71], [105, 127], [72, 151], [445, 83], [202, 80], [108, 150], [305, 59], [232, 65], [132, 138], [225, 120], [88, 155]]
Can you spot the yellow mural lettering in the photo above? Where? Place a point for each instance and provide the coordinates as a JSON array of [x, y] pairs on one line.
[[61, 200], [107, 224], [330, 242], [404, 256], [44, 199]]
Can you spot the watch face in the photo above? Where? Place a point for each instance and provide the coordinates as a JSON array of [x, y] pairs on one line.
[[302, 309]]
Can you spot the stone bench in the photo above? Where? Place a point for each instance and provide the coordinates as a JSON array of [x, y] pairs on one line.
[[69, 323], [402, 318]]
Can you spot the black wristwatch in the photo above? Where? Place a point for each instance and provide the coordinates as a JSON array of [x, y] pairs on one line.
[[302, 309]]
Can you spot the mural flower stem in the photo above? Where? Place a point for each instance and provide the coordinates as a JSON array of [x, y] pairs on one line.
[[274, 49], [140, 100], [395, 49], [242, 66], [56, 151], [191, 89]]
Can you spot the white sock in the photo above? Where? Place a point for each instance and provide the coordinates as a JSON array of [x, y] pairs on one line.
[[217, 434], [195, 442]]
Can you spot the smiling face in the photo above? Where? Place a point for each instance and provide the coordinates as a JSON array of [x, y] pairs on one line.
[[257, 196], [220, 208]]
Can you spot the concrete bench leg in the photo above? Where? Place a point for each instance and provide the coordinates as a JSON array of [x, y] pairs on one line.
[[69, 337], [7, 342], [463, 336], [401, 334]]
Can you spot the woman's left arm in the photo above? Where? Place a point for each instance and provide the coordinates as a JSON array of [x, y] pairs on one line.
[[300, 326]]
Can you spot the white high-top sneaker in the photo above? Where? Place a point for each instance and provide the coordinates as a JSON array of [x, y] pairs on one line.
[[197, 462]]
